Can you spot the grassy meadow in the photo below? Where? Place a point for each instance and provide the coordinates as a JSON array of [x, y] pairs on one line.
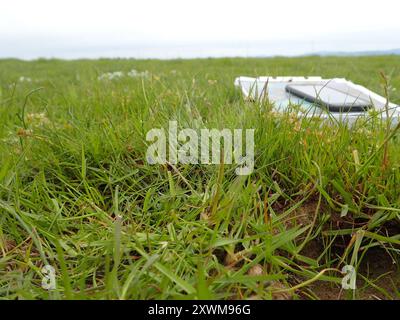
[[77, 193]]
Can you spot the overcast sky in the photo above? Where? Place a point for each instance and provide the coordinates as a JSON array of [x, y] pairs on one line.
[[169, 28]]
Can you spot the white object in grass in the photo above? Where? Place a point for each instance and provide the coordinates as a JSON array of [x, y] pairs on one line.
[[274, 89]]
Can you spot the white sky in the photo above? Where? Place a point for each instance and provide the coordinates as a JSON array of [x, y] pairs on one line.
[[42, 26]]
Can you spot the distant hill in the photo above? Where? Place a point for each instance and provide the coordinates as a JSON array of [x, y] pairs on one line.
[[357, 53]]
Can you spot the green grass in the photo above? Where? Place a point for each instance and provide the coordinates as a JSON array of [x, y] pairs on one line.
[[77, 193]]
